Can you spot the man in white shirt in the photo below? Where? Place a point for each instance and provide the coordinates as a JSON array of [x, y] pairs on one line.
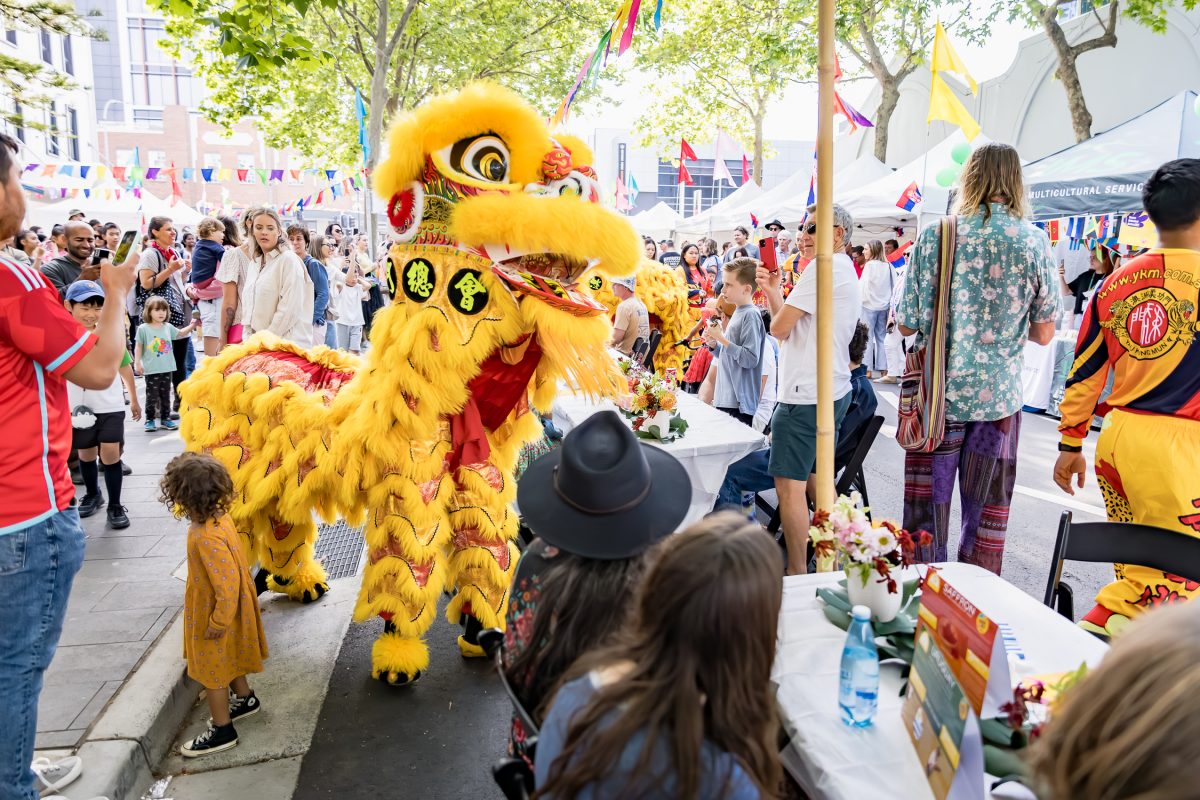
[[632, 320], [794, 324]]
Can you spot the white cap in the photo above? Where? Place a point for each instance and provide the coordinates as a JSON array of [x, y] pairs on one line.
[[629, 283], [861, 612]]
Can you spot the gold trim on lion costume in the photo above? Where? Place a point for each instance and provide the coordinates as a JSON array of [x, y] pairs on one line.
[[495, 222]]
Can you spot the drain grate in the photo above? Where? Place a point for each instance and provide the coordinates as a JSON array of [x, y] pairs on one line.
[[339, 548]]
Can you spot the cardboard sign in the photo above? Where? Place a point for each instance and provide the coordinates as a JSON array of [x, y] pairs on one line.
[[1138, 231], [959, 675]]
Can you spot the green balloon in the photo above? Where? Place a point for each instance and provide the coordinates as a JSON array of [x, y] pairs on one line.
[[960, 152], [946, 177]]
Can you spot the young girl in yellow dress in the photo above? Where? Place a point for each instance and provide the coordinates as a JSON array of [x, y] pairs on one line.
[[223, 637]]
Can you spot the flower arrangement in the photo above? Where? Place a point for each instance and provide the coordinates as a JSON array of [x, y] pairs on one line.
[[650, 403], [863, 547]]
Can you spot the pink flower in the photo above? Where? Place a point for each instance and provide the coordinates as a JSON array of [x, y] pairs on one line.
[[996, 271], [988, 337], [985, 395]]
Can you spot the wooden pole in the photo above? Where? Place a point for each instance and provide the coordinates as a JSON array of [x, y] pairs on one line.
[[824, 265]]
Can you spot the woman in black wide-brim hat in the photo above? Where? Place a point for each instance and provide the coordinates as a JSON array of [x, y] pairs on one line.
[[597, 505]]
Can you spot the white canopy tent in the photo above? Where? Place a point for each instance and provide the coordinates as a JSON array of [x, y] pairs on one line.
[[658, 222], [792, 207], [128, 210], [873, 205], [725, 215]]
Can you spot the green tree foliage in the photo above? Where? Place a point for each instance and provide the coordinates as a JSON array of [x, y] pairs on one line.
[[31, 84], [724, 63], [295, 65], [891, 38], [1151, 13]]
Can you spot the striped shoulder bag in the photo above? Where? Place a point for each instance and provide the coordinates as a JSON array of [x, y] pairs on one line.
[[921, 418]]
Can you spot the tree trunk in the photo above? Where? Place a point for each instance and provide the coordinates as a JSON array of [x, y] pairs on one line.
[[1067, 55], [379, 98], [889, 97], [758, 144]]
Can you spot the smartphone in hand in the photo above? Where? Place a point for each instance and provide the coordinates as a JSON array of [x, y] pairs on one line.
[[766, 254], [123, 248], [99, 254]]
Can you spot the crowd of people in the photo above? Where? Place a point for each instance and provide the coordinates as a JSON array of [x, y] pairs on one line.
[[641, 654]]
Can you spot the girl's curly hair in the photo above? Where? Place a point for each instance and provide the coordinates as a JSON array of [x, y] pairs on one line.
[[196, 486]]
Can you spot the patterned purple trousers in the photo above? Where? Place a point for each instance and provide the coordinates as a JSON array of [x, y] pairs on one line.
[[983, 455]]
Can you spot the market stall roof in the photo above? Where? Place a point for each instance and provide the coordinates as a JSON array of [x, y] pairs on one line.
[[1105, 174], [657, 222], [725, 215], [128, 210]]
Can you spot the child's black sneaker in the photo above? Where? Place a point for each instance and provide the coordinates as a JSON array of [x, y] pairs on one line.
[[213, 740], [90, 504], [117, 518], [240, 707]]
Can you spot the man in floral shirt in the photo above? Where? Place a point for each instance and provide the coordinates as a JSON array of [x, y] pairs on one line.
[[1002, 294]]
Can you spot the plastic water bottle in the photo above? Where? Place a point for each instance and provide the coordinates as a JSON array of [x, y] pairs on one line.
[[858, 688], [748, 506]]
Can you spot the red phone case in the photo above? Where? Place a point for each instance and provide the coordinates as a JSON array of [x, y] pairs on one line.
[[766, 254]]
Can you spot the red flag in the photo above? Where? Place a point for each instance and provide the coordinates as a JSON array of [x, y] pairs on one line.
[[241, 175], [837, 66], [745, 169], [684, 175], [119, 174], [686, 151]]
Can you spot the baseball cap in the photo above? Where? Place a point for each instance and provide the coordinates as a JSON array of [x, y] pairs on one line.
[[79, 291], [75, 211], [629, 283]]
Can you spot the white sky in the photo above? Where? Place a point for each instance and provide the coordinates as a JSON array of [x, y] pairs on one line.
[[787, 123]]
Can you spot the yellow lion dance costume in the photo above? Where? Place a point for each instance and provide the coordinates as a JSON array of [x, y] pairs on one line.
[[495, 222], [664, 292]]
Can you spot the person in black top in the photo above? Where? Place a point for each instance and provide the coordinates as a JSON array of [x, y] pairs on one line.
[[669, 255], [1083, 284]]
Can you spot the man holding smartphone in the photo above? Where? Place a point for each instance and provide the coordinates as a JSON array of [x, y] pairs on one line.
[[77, 263]]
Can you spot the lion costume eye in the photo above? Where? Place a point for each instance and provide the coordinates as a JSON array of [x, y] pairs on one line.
[[484, 158]]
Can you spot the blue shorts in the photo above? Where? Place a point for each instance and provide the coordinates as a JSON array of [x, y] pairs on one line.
[[794, 438]]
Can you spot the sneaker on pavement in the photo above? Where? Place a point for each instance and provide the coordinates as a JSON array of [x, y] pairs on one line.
[[52, 776], [117, 518], [241, 707], [213, 740], [151, 427], [170, 425], [175, 413], [90, 504], [126, 469]]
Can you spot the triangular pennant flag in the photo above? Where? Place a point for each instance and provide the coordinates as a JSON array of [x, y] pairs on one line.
[[633, 189], [686, 151], [295, 175], [684, 175], [262, 175], [67, 169], [136, 174], [207, 174], [49, 170], [242, 174], [745, 169], [944, 105], [725, 148], [84, 169], [276, 175], [119, 174], [189, 174], [101, 171], [946, 59], [87, 192], [330, 173], [152, 173], [336, 191], [856, 119]]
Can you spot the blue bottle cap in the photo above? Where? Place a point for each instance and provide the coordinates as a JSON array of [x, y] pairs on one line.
[[862, 613]]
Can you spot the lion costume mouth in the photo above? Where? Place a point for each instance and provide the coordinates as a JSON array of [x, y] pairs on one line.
[[548, 277]]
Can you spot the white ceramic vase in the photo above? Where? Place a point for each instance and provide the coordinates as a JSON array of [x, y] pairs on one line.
[[874, 595], [663, 420]]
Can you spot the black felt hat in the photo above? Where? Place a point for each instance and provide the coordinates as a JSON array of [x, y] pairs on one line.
[[603, 494], [774, 225]]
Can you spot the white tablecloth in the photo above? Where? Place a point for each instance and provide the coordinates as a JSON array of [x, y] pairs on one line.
[[1046, 368], [714, 440], [829, 759]]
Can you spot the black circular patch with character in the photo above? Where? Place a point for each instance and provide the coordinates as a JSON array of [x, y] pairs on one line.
[[467, 293], [595, 282], [418, 280]]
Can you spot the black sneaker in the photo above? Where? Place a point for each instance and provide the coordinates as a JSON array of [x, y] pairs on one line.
[[240, 707], [117, 518], [126, 469], [213, 740], [90, 504], [175, 414]]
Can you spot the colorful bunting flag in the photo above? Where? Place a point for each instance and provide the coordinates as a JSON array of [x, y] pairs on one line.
[[852, 115], [910, 198]]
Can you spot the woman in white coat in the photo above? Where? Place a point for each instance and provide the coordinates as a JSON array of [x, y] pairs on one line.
[[276, 294]]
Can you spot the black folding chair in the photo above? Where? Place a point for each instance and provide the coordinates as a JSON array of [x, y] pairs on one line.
[[1120, 542], [651, 348], [512, 775]]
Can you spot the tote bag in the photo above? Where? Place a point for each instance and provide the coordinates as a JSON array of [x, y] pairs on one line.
[[921, 418]]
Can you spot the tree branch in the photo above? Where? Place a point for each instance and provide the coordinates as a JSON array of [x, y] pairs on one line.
[[1106, 39]]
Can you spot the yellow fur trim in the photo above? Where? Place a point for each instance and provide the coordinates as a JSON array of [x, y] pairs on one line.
[[396, 654], [469, 650]]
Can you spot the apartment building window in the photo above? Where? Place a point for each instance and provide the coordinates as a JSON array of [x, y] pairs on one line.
[[157, 79], [156, 158], [19, 125], [53, 146], [10, 36], [124, 157], [68, 56], [73, 133], [47, 48], [212, 160], [245, 161]]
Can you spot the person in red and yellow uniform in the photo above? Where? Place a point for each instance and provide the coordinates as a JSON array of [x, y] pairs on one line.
[[1141, 326]]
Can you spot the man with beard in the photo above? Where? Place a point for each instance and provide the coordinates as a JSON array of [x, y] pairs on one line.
[[76, 263]]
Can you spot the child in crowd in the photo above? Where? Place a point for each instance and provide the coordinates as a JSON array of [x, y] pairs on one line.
[[348, 305], [98, 416], [206, 258], [739, 360], [682, 705], [223, 638], [154, 359]]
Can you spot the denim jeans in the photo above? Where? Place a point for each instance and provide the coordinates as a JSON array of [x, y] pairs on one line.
[[189, 364], [748, 474], [331, 339], [37, 566]]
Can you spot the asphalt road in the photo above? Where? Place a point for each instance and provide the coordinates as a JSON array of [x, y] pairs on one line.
[[439, 738]]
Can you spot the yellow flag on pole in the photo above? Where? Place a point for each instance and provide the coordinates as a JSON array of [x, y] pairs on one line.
[[944, 105], [946, 59]]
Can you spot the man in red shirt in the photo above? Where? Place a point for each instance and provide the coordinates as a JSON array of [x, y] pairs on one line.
[[41, 542]]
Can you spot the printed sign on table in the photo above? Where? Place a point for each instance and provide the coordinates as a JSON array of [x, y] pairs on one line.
[[959, 673], [1138, 231]]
